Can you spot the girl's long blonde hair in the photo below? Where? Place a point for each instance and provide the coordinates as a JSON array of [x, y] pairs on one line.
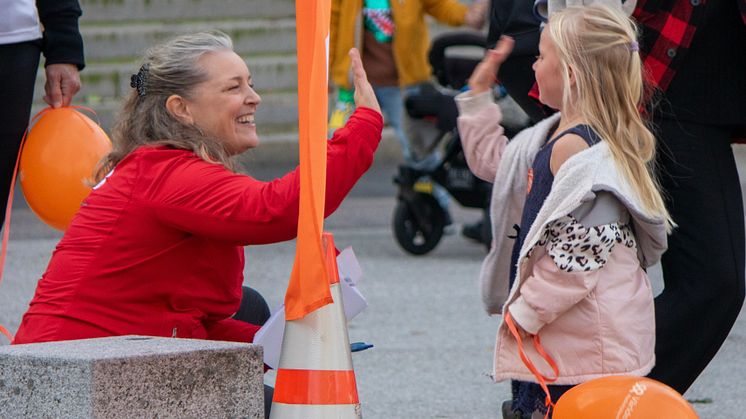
[[172, 69], [599, 45]]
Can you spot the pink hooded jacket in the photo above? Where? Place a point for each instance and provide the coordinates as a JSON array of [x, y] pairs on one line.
[[592, 323]]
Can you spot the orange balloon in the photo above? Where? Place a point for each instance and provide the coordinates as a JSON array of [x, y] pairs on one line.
[[60, 153], [623, 398]]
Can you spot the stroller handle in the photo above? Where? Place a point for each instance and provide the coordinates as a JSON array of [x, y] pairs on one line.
[[454, 72]]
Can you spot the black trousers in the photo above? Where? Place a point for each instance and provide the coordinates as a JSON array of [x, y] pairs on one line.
[[703, 268], [254, 310], [18, 66]]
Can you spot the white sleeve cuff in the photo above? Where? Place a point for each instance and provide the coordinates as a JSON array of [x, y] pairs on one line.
[[470, 104], [525, 316]]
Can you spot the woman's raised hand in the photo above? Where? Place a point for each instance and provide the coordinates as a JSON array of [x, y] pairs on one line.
[[364, 95], [484, 75]]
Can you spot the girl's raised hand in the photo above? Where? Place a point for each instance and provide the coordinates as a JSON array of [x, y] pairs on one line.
[[364, 95], [484, 75]]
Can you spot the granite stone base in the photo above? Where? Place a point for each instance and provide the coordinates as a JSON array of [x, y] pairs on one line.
[[132, 377]]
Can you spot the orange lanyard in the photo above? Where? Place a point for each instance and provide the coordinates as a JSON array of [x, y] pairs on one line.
[[542, 379]]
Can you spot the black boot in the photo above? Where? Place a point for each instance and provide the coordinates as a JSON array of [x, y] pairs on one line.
[[509, 413], [473, 231]]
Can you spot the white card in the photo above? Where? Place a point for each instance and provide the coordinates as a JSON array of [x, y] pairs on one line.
[[271, 334]]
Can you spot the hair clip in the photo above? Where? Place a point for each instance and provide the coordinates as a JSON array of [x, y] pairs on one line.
[[634, 46], [138, 80]]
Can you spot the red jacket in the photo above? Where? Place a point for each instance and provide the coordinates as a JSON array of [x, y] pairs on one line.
[[157, 249]]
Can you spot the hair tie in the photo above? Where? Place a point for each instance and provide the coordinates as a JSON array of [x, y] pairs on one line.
[[138, 80], [634, 46]]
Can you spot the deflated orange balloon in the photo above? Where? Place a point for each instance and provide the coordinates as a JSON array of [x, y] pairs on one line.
[[623, 398], [60, 153]]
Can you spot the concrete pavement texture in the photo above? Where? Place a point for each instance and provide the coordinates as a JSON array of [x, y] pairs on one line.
[[433, 342]]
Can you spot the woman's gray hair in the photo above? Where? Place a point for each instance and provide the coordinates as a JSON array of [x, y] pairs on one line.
[[167, 69]]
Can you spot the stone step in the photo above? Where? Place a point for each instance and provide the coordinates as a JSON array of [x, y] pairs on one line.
[[117, 32], [129, 40], [102, 81], [282, 149], [171, 10], [277, 113], [278, 140]]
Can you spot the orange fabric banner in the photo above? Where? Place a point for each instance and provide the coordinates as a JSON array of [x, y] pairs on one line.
[[309, 281]]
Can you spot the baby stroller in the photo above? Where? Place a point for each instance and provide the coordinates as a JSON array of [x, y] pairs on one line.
[[419, 219]]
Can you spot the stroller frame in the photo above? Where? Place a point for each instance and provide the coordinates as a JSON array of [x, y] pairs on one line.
[[419, 220]]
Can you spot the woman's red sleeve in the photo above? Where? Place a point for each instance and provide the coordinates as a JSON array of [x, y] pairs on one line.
[[208, 200]]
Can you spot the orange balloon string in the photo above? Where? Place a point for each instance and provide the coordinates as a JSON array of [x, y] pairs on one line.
[[11, 194], [542, 379], [5, 332], [83, 108]]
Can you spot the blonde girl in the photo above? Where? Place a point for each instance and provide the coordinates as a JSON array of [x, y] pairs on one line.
[[577, 213]]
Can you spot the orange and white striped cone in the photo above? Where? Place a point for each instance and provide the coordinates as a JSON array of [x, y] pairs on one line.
[[315, 378]]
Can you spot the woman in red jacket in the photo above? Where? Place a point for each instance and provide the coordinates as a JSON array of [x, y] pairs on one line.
[[157, 247]]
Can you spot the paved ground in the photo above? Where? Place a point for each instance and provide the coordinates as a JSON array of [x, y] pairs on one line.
[[433, 343]]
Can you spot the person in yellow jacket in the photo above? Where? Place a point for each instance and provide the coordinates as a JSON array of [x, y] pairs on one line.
[[393, 38]]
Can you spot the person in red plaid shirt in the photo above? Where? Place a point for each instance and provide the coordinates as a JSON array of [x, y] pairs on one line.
[[695, 54]]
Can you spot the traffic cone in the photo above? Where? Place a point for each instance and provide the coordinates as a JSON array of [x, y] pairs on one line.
[[315, 378]]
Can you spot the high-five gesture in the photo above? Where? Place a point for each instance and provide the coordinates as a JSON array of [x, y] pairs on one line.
[[364, 95], [483, 77]]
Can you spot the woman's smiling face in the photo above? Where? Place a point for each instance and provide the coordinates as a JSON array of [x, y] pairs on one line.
[[223, 106]]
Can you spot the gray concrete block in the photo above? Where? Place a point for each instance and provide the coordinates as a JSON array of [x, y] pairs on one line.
[[132, 377], [170, 10], [131, 39]]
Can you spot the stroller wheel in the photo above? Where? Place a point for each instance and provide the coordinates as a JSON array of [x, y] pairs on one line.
[[418, 224]]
